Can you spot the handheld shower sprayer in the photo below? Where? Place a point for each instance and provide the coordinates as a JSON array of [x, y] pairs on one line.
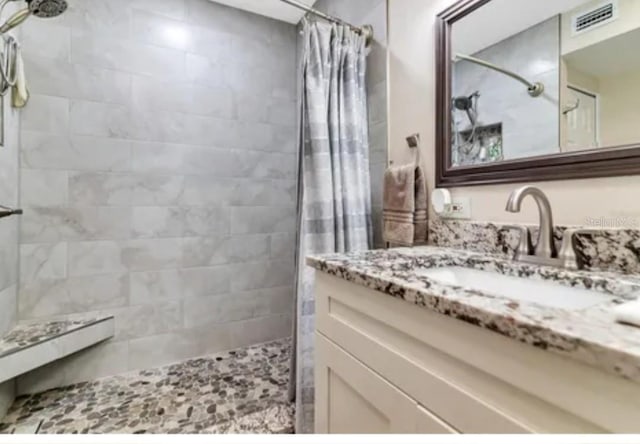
[[39, 8], [467, 104], [9, 54]]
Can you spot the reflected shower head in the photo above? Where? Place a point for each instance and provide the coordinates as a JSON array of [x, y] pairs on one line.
[[463, 103], [39, 8], [466, 104]]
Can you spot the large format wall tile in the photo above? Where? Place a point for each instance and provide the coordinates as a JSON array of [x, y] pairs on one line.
[[9, 197], [8, 302], [45, 188], [46, 113], [43, 261], [207, 281], [72, 152], [105, 51], [206, 251], [262, 219], [53, 297], [175, 9], [46, 39], [158, 159], [58, 77], [53, 224], [151, 286]]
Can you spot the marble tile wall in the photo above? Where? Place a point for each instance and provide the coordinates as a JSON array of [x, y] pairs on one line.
[[358, 12], [9, 226], [530, 126], [9, 183], [158, 164]]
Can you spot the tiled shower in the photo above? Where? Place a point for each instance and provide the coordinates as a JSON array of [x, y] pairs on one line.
[[156, 163], [158, 173]]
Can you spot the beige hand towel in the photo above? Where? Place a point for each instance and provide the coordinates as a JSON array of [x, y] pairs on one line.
[[421, 212], [405, 206]]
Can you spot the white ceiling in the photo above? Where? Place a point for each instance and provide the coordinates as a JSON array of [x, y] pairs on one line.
[[271, 8]]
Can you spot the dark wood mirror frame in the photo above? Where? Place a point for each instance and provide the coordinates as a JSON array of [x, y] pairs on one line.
[[612, 161]]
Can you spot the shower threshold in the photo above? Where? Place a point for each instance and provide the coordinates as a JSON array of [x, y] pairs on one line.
[[240, 391]]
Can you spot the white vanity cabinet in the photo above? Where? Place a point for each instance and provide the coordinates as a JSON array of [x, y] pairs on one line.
[[386, 366], [352, 398]]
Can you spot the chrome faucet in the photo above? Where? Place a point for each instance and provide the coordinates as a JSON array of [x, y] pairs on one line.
[[545, 248], [544, 252]]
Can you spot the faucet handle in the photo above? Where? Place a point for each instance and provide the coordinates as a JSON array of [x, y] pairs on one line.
[[525, 246], [567, 252]]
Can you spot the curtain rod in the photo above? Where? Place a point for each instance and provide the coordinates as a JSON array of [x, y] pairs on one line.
[[366, 31], [534, 89]]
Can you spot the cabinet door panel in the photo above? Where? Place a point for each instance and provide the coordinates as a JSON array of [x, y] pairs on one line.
[[351, 398]]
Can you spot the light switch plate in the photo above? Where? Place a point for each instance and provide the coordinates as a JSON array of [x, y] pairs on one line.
[[460, 209]]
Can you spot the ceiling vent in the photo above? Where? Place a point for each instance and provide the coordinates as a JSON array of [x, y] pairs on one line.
[[598, 16]]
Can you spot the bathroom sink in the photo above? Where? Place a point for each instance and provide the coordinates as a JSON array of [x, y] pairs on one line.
[[516, 288]]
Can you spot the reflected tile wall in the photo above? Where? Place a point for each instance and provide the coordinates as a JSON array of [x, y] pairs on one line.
[[158, 175], [530, 126]]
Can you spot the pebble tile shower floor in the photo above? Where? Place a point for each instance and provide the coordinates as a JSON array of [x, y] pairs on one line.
[[241, 391]]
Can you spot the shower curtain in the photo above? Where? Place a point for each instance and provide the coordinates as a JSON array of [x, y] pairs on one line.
[[335, 198]]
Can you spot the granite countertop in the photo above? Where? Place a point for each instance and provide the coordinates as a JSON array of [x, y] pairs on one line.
[[590, 335]]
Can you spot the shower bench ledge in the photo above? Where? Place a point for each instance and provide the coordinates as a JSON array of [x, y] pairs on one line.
[[28, 346]]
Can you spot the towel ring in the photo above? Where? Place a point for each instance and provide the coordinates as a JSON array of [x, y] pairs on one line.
[[414, 143], [573, 107]]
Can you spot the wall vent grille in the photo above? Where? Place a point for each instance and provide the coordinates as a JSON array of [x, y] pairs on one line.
[[598, 16]]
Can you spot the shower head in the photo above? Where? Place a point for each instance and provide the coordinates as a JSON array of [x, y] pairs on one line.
[[463, 103], [39, 8], [466, 104], [47, 8]]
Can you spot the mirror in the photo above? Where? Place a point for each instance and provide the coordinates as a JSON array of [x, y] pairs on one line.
[[531, 90]]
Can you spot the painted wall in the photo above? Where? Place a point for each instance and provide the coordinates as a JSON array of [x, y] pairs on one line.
[[158, 176], [412, 108], [619, 108]]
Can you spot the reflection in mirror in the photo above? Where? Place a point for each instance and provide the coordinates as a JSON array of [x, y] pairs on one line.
[[533, 78]]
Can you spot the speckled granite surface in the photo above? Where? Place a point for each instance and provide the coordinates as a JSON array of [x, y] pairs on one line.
[[26, 335], [241, 391], [590, 335], [615, 250]]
